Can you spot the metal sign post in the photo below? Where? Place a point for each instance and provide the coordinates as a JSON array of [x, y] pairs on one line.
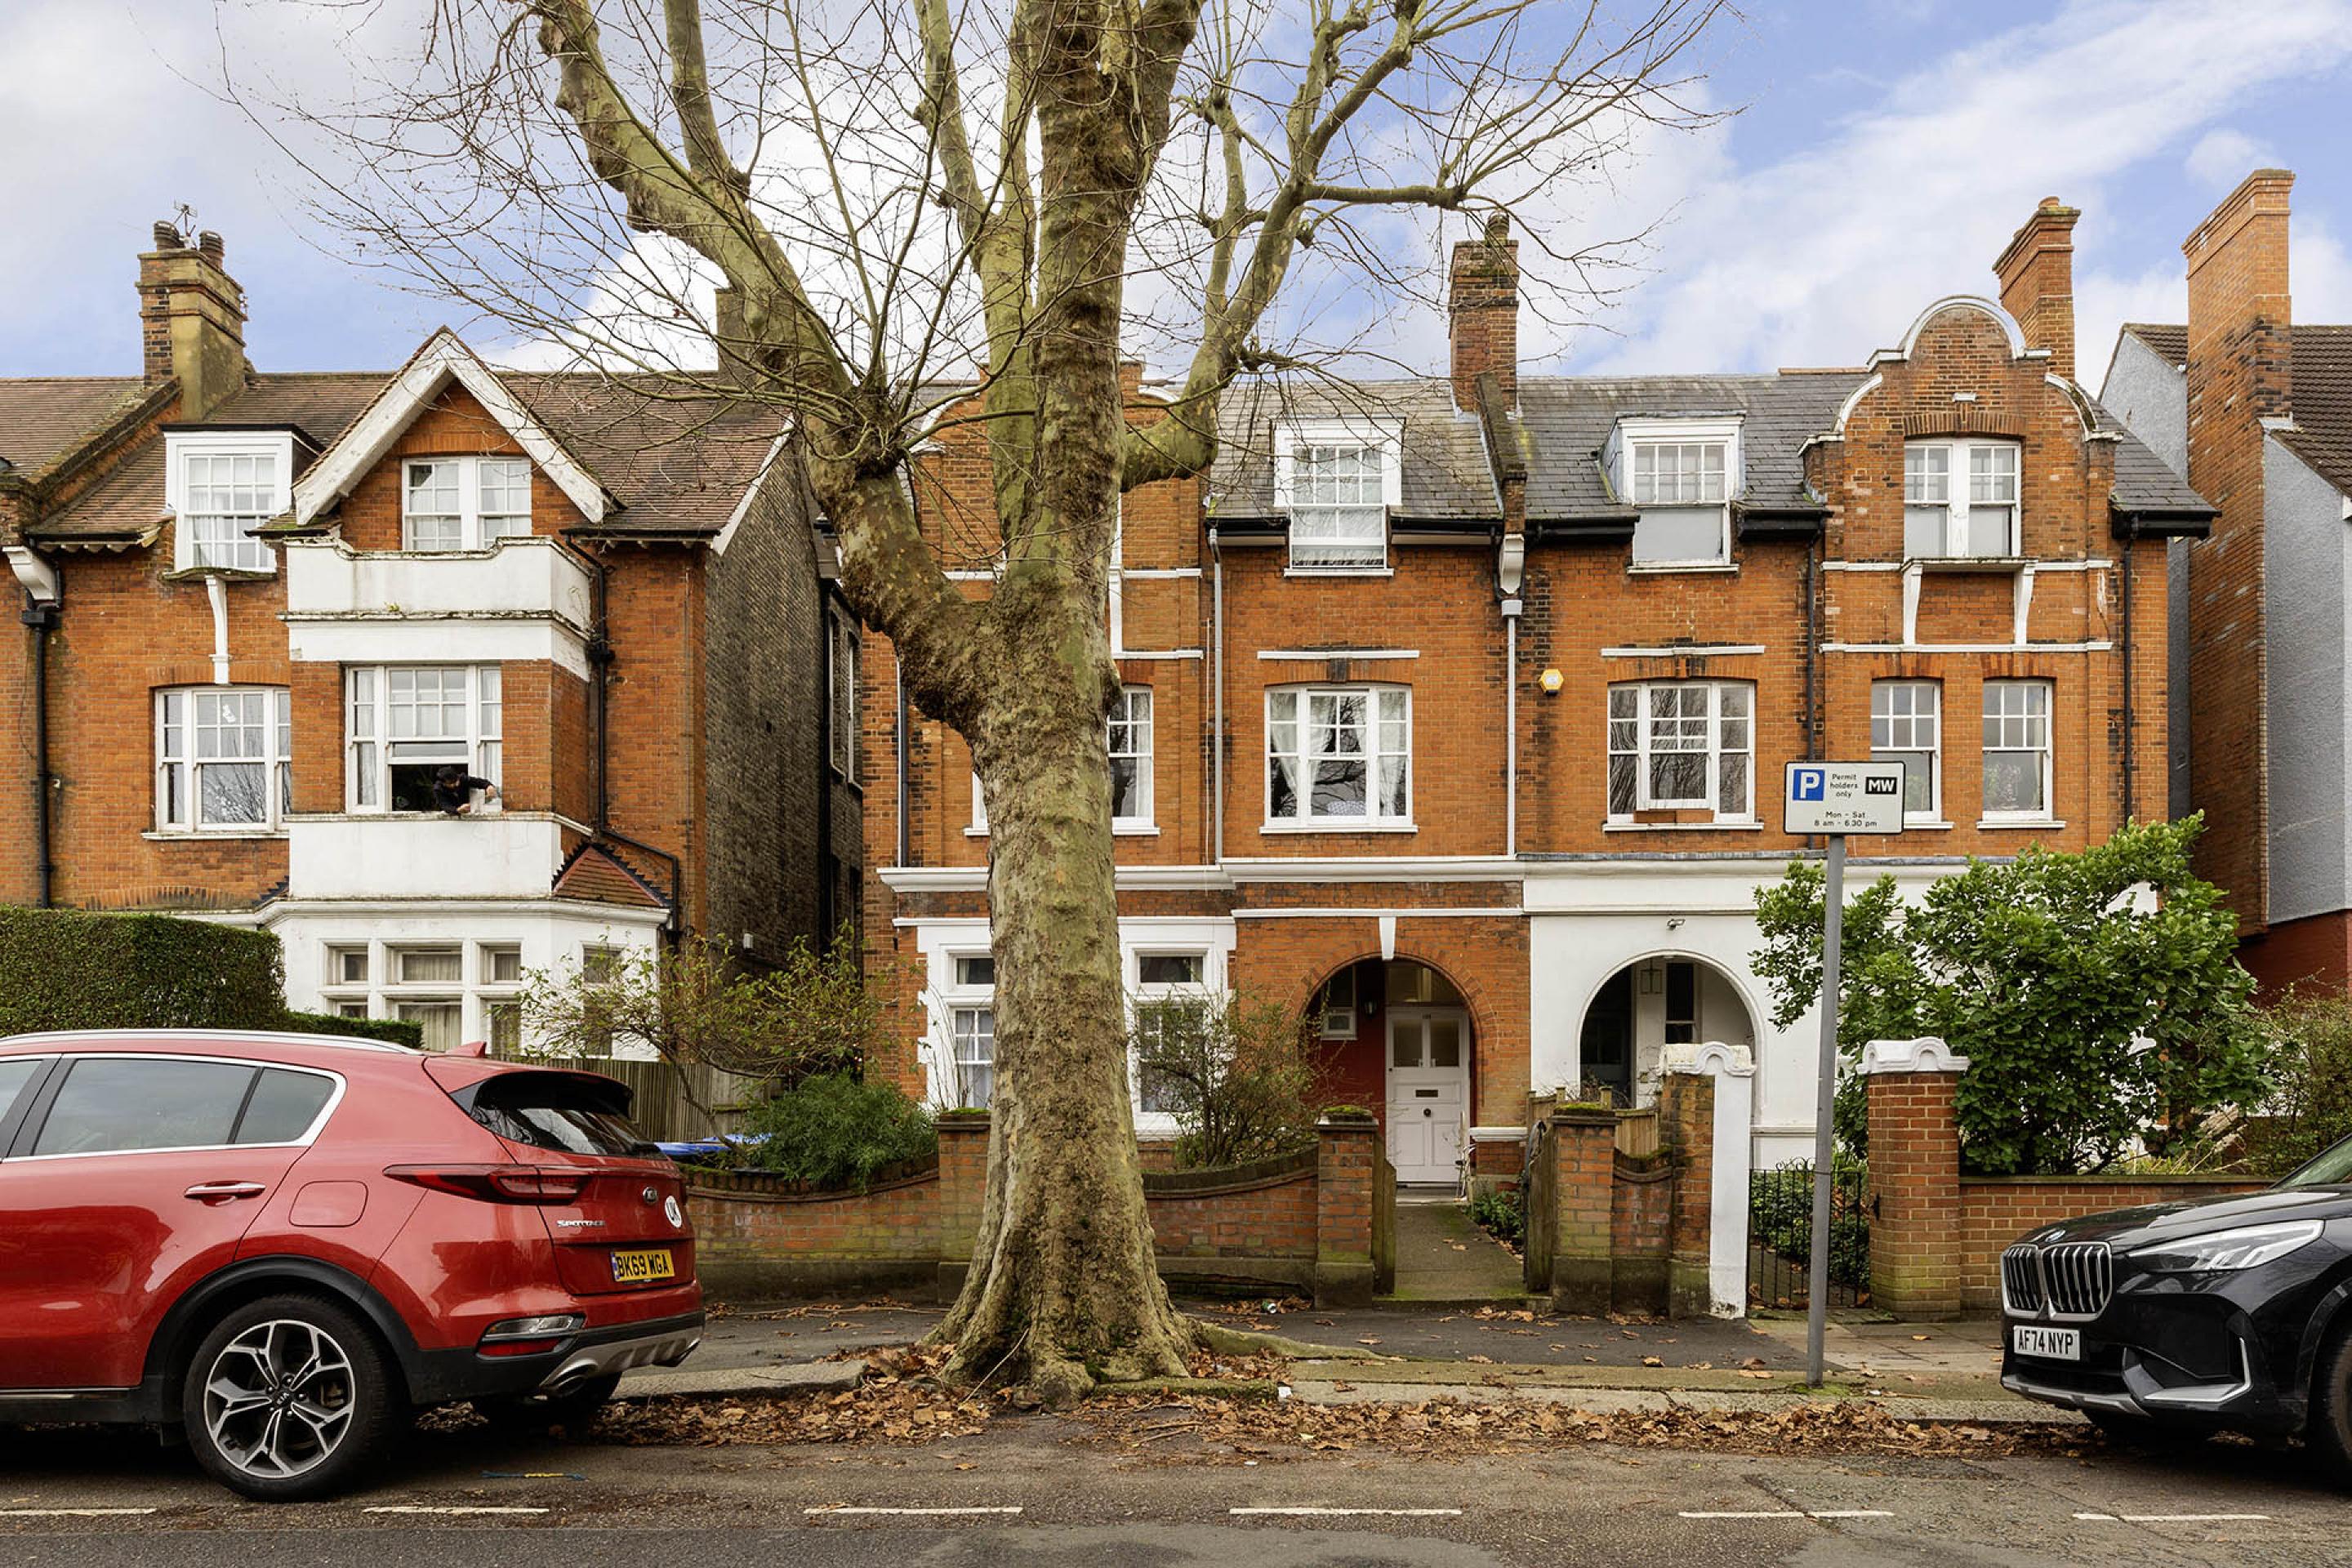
[[1833, 799]]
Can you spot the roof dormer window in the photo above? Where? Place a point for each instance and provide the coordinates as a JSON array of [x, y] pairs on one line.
[[221, 486], [1339, 481], [463, 503], [1683, 474]]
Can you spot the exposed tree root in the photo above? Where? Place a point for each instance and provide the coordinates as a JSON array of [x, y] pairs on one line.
[[1238, 1342]]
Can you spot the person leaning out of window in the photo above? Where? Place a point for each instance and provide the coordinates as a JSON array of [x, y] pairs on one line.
[[454, 789]]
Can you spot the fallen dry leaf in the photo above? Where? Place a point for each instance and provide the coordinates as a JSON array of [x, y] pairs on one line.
[[1652, 1360]]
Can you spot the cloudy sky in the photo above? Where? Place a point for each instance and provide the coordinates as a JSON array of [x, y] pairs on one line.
[[1885, 152]]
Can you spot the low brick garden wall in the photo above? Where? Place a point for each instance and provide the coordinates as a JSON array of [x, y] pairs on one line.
[[1612, 1232], [1310, 1223], [1997, 1210]]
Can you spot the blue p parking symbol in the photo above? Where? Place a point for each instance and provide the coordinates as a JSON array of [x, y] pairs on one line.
[[1811, 784]]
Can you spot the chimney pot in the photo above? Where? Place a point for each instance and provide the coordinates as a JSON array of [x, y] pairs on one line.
[[167, 235], [210, 244]]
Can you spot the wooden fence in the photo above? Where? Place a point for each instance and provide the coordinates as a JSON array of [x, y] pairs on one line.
[[663, 1110]]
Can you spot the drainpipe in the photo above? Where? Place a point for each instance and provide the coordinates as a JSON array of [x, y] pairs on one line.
[[905, 838], [827, 872], [1217, 719], [2131, 649], [601, 659], [42, 616], [1510, 727]]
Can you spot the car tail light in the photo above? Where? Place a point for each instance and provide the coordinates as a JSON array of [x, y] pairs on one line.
[[530, 1336], [497, 1183]]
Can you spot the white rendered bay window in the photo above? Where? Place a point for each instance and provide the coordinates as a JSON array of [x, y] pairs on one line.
[[1960, 501], [224, 759], [463, 503], [404, 723], [1682, 745], [1338, 756]]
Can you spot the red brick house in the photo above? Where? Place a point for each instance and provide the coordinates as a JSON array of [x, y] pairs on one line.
[[1458, 705], [2254, 408], [262, 611]]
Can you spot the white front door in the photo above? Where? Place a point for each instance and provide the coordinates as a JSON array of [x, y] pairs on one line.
[[1429, 1085]]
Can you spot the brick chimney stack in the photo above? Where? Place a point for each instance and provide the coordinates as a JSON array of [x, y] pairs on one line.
[[2240, 374], [191, 320], [1481, 299], [2037, 281]]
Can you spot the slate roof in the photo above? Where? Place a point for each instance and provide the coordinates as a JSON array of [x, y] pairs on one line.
[[678, 464], [42, 417], [1565, 423], [2320, 395]]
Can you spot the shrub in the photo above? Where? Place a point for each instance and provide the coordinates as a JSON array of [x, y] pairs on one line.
[[2097, 995], [1499, 1212], [834, 1132], [1244, 1080], [391, 1031], [66, 969], [2308, 1040], [1780, 1216]]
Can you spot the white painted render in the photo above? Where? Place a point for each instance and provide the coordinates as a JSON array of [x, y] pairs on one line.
[[486, 855], [527, 598]]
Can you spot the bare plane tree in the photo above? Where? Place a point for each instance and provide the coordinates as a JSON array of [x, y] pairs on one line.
[[892, 194]]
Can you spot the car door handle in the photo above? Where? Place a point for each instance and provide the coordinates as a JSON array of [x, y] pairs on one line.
[[221, 1192]]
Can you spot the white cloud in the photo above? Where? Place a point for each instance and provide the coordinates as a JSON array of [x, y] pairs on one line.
[[2224, 156], [1827, 255]]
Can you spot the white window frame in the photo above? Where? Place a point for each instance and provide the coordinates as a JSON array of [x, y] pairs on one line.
[[1888, 729], [1380, 439], [1632, 437], [1644, 747], [368, 739], [1303, 817], [2048, 717], [474, 524], [176, 750], [1138, 723], [841, 655], [1337, 1021], [957, 999], [1145, 824], [245, 552], [1959, 499], [1142, 994]]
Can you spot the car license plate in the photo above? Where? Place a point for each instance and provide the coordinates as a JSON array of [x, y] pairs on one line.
[[2050, 1345], [642, 1267]]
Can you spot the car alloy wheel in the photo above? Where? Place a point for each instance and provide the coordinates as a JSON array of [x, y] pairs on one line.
[[278, 1399]]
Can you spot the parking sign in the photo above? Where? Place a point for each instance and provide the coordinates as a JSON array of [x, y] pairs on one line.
[[1843, 797]]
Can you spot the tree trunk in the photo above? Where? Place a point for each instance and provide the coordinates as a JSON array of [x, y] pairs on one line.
[[1063, 1290]]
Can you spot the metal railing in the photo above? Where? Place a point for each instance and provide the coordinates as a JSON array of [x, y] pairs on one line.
[[1780, 1235]]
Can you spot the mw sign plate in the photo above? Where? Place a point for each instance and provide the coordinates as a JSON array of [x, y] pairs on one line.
[[1843, 797]]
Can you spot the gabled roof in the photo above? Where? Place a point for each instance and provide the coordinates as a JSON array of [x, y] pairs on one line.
[[596, 874], [665, 462], [443, 359], [2320, 390]]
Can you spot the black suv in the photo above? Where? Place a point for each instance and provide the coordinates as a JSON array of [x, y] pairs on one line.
[[2187, 1319]]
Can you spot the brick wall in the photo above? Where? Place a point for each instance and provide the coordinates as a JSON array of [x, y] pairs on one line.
[[2239, 374], [758, 1239], [452, 426], [1996, 1210]]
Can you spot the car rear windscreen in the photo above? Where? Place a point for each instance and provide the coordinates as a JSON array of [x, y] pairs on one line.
[[554, 1110]]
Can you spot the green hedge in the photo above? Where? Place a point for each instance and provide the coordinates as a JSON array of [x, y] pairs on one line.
[[68, 969]]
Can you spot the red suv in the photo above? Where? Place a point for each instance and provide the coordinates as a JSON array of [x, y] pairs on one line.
[[279, 1244]]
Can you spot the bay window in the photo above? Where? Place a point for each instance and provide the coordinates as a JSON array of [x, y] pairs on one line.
[[463, 503], [1959, 499], [223, 758], [971, 1018], [220, 487], [1338, 756], [404, 723], [1170, 994], [1682, 745]]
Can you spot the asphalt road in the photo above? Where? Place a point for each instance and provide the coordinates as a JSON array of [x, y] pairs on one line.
[[1079, 1504]]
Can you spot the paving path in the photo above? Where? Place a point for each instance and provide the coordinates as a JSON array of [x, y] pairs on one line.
[[1442, 1256]]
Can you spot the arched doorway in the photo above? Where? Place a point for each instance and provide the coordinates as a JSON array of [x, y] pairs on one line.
[[1401, 1044], [1669, 998]]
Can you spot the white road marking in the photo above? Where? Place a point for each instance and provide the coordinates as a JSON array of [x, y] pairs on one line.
[[1792, 1513], [2176, 1518], [918, 1511], [420, 1508], [70, 1513], [1343, 1512]]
